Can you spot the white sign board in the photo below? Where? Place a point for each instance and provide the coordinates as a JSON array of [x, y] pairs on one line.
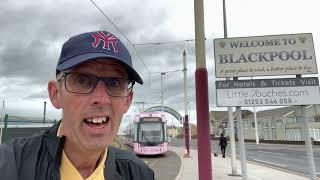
[[288, 54], [268, 92]]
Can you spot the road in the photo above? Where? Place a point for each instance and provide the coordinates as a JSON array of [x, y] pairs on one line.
[[165, 167], [288, 157]]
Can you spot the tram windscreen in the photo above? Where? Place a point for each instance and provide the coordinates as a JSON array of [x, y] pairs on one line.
[[150, 133]]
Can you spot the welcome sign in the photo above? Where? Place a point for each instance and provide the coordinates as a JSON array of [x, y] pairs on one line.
[[288, 54]]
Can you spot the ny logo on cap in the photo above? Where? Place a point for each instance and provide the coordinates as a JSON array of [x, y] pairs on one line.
[[107, 40]]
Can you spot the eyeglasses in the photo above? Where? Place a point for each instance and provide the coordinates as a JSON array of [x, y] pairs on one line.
[[81, 83]]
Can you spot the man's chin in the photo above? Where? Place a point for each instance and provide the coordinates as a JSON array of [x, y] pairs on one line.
[[97, 148], [95, 144]]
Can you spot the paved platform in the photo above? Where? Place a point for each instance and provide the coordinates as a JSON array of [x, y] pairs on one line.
[[221, 169]]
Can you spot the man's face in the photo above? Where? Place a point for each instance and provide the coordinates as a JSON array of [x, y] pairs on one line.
[[81, 111]]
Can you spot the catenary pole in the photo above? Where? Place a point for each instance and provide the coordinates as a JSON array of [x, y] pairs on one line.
[[230, 111], [186, 118], [162, 74], [202, 104]]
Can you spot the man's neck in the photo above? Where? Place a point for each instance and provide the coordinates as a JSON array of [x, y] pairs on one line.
[[86, 165]]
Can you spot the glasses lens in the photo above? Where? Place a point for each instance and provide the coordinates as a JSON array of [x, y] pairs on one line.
[[80, 83], [117, 86], [85, 84]]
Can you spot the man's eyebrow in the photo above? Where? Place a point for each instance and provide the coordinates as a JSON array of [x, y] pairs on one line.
[[121, 70]]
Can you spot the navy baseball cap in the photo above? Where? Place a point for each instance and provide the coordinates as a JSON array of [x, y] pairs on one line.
[[92, 45]]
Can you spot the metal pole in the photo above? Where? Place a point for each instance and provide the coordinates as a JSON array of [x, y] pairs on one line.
[[312, 169], [232, 142], [5, 129], [308, 144], [162, 91], [230, 112], [186, 118], [255, 124], [202, 104], [243, 158], [225, 30], [171, 128], [44, 112], [2, 120]]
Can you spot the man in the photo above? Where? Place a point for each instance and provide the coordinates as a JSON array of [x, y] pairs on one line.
[[94, 89], [223, 144]]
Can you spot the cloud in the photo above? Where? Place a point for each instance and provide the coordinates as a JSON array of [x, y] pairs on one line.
[[33, 33], [40, 94]]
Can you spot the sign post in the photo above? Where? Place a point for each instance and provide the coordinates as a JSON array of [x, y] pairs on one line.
[[243, 158], [230, 111], [312, 169]]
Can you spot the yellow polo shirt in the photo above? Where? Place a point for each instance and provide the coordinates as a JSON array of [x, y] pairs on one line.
[[69, 172]]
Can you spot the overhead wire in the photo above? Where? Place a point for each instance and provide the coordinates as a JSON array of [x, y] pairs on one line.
[[160, 43], [120, 32], [167, 42], [140, 44], [165, 72]]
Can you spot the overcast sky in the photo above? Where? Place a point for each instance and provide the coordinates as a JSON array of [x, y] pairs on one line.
[[32, 33]]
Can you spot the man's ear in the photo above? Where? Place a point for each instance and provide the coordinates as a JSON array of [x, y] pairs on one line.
[[54, 94], [128, 101]]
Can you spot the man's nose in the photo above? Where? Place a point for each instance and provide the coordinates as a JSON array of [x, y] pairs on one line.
[[100, 93]]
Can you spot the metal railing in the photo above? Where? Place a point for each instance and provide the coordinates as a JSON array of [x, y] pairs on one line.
[[13, 126]]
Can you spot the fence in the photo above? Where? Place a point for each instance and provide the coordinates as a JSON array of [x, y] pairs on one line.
[[15, 127]]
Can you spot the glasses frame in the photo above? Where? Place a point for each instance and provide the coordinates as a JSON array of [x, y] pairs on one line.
[[65, 74]]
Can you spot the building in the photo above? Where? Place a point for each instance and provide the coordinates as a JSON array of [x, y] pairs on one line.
[[281, 124], [220, 123], [178, 132], [172, 131]]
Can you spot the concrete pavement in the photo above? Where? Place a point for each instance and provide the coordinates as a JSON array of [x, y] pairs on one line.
[[221, 169]]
